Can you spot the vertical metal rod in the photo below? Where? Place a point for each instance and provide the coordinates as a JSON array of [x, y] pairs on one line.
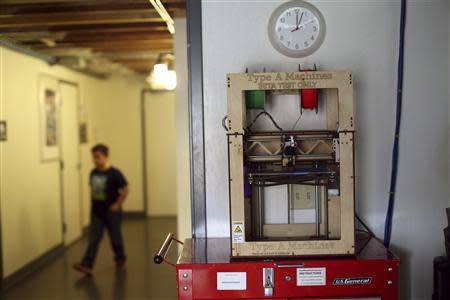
[[324, 197], [318, 210], [256, 211], [261, 210], [289, 186]]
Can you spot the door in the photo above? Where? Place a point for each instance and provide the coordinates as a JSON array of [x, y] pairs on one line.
[[70, 164]]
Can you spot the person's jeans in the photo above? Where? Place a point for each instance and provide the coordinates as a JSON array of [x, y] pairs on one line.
[[112, 221]]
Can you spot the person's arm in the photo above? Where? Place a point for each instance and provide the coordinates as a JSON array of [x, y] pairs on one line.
[[123, 193]]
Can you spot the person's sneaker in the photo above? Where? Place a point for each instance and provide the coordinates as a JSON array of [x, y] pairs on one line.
[[120, 265], [83, 269]]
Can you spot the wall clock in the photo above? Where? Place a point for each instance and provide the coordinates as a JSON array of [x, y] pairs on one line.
[[296, 29]]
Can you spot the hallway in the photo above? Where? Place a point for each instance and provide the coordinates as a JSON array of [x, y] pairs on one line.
[[142, 279]]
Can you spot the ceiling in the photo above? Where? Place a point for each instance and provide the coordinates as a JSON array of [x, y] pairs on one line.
[[97, 36]]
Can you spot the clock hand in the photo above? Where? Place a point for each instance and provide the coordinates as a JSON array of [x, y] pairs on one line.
[[297, 22], [306, 23]]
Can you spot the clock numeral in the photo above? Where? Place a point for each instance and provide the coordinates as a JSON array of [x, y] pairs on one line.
[[279, 29], [312, 38], [288, 14], [297, 11], [296, 46], [289, 43], [306, 44], [282, 20], [281, 38], [315, 28], [306, 13]]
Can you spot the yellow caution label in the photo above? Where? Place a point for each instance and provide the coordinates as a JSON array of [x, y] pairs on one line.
[[237, 232]]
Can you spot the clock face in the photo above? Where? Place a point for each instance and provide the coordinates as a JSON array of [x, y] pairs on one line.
[[296, 29]]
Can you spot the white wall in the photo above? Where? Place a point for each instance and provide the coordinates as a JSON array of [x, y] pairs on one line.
[[30, 189], [30, 202], [182, 128], [361, 36], [116, 108]]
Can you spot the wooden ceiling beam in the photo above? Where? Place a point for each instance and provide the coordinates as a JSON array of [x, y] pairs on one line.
[[89, 28], [94, 38], [128, 32], [107, 44], [77, 6], [123, 36], [154, 48], [77, 18], [113, 47]]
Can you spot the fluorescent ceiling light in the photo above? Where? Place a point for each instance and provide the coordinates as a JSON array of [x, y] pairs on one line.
[[171, 80], [159, 73], [159, 7]]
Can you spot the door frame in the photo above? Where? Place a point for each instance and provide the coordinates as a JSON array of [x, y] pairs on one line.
[[196, 119], [144, 92], [61, 162]]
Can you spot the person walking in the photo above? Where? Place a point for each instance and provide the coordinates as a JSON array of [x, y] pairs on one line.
[[109, 189]]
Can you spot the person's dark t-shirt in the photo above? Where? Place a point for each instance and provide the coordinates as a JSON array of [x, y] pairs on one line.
[[105, 186]]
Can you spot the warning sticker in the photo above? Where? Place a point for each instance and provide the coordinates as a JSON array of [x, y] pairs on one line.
[[238, 232], [311, 276]]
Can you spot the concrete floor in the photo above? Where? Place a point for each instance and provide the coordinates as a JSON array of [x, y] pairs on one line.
[[142, 279]]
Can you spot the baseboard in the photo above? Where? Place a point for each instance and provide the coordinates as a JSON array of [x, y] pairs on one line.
[[134, 214], [32, 267], [163, 216]]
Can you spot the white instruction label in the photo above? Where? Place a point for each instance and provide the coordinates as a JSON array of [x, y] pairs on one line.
[[231, 281], [238, 232], [311, 276]]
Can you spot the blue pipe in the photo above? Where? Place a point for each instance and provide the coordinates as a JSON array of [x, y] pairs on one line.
[[398, 117]]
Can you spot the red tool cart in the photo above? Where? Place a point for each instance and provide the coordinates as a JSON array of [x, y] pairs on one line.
[[205, 271]]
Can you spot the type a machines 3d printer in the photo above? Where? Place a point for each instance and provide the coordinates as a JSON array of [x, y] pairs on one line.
[[291, 191], [292, 199]]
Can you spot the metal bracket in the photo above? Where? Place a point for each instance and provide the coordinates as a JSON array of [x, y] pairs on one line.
[[336, 149], [268, 281]]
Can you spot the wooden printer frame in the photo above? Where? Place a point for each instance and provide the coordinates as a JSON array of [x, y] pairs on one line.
[[338, 96]]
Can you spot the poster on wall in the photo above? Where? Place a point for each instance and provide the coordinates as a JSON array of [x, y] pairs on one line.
[[3, 131], [83, 133], [49, 111]]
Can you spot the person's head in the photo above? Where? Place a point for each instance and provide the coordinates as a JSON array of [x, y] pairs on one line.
[[100, 154]]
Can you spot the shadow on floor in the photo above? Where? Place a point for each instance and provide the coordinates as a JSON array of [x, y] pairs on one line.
[[142, 279]]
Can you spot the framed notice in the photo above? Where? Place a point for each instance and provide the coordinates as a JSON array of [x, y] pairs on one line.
[[3, 131], [83, 133], [49, 107]]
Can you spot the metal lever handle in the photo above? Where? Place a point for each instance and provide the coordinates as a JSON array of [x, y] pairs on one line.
[[268, 281], [160, 256]]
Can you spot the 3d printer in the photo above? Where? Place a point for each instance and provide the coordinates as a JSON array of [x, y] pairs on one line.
[[291, 197], [291, 190]]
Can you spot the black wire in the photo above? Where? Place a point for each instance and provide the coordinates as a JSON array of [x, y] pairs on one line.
[[266, 114], [398, 116], [364, 225], [224, 125]]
